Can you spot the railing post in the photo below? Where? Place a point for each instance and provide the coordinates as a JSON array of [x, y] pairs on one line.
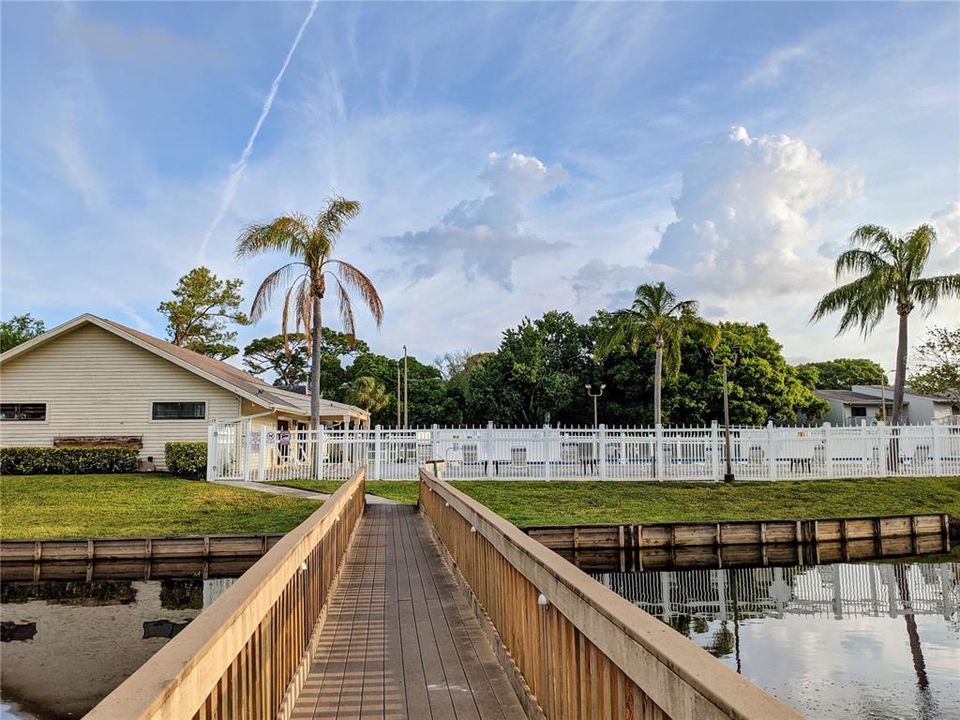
[[247, 432], [827, 450], [602, 449], [936, 447], [377, 452], [211, 451], [658, 469], [715, 450], [771, 452], [262, 455]]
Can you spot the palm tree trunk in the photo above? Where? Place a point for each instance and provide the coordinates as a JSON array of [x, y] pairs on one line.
[[316, 339], [658, 381], [901, 376]]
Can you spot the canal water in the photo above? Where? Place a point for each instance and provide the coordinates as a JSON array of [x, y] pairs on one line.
[[66, 643], [873, 640]]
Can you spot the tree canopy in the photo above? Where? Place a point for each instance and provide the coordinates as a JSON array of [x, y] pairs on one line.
[[198, 317], [937, 364], [18, 329], [844, 373]]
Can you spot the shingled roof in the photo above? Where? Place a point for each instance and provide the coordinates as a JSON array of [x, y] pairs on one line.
[[220, 373]]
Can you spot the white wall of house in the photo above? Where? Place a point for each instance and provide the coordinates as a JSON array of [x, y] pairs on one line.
[[921, 409], [95, 383], [841, 413]]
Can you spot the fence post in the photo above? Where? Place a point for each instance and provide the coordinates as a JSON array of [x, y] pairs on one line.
[[262, 455], [715, 450], [658, 469], [488, 464], [377, 452], [320, 452], [247, 431], [883, 449], [433, 441], [936, 447], [771, 452], [212, 451], [547, 454], [602, 449], [827, 450]]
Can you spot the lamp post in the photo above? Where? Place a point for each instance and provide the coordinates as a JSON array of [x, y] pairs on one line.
[[406, 385], [724, 364], [595, 396]]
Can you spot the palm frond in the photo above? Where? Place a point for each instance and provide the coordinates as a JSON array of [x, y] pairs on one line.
[[345, 305], [353, 277], [927, 292], [859, 261], [270, 284], [287, 233]]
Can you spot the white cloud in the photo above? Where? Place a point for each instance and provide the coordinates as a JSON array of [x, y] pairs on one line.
[[947, 223], [486, 234], [770, 70], [745, 215], [600, 284]]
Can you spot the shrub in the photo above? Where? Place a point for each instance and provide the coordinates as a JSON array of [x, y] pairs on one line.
[[66, 461], [187, 459]]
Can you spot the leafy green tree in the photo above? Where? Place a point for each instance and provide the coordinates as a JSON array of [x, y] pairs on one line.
[[844, 373], [310, 242], [890, 272], [938, 364], [286, 358], [540, 367], [369, 393], [197, 317], [656, 318], [18, 329]]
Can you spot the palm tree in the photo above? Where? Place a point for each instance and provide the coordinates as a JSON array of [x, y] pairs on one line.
[[368, 393], [310, 242], [656, 318], [890, 269]]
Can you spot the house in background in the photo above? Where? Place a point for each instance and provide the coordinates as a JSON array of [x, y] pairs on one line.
[[95, 378], [863, 403], [853, 408]]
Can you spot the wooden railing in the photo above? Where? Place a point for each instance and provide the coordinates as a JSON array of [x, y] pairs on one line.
[[583, 652], [246, 656]]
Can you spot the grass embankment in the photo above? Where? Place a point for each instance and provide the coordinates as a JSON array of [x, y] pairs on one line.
[[588, 503], [52, 506], [527, 503], [401, 491]]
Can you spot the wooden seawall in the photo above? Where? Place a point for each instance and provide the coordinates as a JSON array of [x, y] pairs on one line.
[[769, 532], [144, 548]]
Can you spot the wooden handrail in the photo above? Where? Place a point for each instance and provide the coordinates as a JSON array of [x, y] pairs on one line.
[[583, 651], [247, 654]]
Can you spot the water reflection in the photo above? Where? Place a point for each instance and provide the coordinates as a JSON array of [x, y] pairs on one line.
[[846, 640], [68, 642]]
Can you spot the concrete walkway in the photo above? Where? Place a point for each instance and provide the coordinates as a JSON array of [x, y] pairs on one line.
[[271, 489]]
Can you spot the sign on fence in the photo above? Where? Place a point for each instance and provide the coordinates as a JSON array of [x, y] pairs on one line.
[[239, 451]]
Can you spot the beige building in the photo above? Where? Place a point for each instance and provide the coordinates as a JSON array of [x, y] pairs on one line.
[[95, 378]]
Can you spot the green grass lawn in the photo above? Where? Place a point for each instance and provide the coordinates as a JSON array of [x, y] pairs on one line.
[[527, 503], [50, 506], [584, 503], [401, 491]]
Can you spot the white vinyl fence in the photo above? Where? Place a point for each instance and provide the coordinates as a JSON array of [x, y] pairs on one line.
[[239, 451]]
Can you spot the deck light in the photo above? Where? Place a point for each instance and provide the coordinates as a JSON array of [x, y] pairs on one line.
[[542, 601]]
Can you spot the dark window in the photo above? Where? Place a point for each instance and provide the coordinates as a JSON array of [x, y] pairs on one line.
[[858, 411], [179, 410], [23, 411]]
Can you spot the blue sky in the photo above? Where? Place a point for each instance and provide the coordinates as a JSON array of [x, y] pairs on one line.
[[511, 158]]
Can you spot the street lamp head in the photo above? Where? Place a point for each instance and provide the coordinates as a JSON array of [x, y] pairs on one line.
[[602, 385]]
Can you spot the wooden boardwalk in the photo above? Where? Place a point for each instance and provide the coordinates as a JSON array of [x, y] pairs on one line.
[[400, 640]]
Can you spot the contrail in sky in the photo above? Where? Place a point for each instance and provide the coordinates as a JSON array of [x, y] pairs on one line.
[[238, 167]]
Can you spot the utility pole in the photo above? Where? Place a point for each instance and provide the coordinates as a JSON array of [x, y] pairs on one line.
[[406, 387], [398, 396]]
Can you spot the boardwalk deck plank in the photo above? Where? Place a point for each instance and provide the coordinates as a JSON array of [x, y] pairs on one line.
[[401, 641]]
